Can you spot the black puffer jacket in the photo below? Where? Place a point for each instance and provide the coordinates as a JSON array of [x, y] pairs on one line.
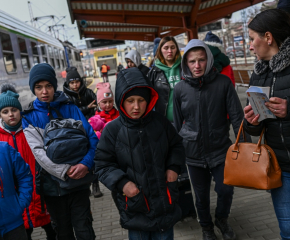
[[82, 99], [141, 151], [275, 74], [200, 114]]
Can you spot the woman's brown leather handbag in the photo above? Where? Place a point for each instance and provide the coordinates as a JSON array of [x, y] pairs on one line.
[[250, 165]]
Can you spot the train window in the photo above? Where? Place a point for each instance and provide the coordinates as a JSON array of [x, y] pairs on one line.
[[61, 52], [56, 53], [52, 62], [44, 54], [50, 51], [35, 53], [24, 55], [8, 54], [43, 50], [77, 56], [69, 54], [34, 48]]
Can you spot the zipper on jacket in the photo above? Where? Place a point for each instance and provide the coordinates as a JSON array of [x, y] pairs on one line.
[[272, 87], [167, 84], [283, 141], [14, 141]]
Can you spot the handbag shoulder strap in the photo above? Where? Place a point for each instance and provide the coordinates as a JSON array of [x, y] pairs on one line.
[[235, 150]]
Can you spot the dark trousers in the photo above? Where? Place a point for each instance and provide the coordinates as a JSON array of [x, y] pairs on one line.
[[105, 77], [50, 233], [201, 182], [71, 215], [142, 235], [18, 233]]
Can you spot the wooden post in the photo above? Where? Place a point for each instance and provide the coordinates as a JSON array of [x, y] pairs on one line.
[[234, 50]]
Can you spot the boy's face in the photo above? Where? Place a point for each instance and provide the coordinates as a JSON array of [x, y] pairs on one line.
[[106, 104], [135, 106], [75, 85], [196, 62], [44, 91]]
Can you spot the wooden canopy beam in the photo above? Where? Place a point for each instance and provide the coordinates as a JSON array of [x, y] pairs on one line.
[[149, 2], [122, 27], [174, 32], [121, 36], [194, 11], [147, 20], [130, 13], [217, 12]]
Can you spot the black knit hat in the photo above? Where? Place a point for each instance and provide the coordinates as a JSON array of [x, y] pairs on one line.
[[42, 72], [139, 91], [72, 74]]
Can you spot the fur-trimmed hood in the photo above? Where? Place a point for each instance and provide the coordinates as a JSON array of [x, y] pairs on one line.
[[279, 61], [214, 44]]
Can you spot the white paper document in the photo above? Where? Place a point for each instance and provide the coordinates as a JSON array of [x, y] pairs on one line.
[[257, 97]]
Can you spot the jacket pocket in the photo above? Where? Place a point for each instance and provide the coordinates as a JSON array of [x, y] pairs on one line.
[[11, 209], [190, 143], [137, 203], [172, 192]]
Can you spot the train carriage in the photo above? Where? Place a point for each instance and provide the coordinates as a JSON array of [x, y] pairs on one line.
[[22, 46]]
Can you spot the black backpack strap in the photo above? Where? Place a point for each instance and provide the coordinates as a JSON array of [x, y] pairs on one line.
[[59, 116]]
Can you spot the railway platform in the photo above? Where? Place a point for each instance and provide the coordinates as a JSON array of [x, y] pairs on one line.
[[252, 214]]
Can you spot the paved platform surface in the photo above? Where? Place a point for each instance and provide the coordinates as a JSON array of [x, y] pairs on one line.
[[252, 215]]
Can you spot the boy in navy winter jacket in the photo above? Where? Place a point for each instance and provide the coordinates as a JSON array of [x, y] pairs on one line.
[[139, 157], [16, 187], [69, 208]]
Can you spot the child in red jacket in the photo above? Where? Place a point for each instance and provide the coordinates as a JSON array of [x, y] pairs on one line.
[[11, 132], [106, 112], [105, 100]]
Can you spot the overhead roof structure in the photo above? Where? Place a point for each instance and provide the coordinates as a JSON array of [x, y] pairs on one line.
[[144, 20]]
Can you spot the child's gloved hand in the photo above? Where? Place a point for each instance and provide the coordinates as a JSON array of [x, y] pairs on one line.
[[130, 189]]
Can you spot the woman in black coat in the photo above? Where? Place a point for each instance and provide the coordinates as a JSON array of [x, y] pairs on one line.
[[269, 33]]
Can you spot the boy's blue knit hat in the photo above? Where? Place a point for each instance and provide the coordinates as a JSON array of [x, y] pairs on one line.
[[42, 72], [9, 97]]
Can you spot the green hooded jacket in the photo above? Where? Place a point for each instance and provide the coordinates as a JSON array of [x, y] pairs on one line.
[[220, 59]]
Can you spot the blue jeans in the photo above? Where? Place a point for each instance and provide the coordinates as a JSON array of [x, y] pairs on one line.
[[281, 202], [142, 235]]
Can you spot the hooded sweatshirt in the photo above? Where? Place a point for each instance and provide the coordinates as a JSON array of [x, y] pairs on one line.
[[193, 44], [200, 112], [134, 56], [220, 59], [173, 76]]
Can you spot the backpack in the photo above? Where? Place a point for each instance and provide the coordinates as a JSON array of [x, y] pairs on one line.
[[65, 142]]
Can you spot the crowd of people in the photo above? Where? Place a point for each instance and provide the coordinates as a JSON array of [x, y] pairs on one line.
[[169, 120]]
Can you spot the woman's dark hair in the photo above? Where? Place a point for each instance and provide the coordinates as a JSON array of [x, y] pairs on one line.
[[275, 21], [164, 40]]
